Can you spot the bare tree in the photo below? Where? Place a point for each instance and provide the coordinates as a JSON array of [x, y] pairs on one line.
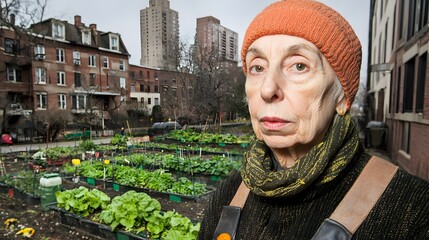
[[186, 80], [213, 77], [49, 123], [25, 12], [233, 102]]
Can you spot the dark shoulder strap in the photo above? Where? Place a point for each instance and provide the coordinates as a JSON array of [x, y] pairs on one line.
[[230, 217], [364, 193]]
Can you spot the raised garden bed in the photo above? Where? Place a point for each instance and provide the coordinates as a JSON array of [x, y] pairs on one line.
[[28, 198], [120, 217], [171, 196]]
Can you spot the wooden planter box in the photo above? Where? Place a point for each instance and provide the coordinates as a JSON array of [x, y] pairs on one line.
[[123, 235], [23, 196], [106, 232], [74, 221], [171, 196], [57, 162], [70, 219], [90, 227]]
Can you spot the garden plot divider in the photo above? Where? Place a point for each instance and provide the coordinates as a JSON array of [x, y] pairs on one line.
[[120, 188], [76, 222], [14, 192]]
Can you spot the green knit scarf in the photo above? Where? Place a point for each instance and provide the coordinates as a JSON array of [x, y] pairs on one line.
[[320, 165]]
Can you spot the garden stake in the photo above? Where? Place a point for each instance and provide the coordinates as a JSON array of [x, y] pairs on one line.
[[106, 162], [75, 162], [34, 182], [2, 168]]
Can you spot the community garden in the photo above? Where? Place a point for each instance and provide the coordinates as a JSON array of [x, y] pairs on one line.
[[132, 188]]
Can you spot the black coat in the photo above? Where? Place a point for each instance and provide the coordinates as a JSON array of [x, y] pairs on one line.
[[402, 212]]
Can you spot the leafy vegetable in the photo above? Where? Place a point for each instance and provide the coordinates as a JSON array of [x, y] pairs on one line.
[[82, 201]]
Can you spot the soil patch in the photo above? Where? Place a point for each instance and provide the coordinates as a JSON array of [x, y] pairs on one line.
[[47, 224]]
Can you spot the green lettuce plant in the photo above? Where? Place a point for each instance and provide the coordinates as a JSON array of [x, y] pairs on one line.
[[82, 201]]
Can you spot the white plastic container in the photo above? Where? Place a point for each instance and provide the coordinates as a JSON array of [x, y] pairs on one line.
[[49, 184], [50, 180]]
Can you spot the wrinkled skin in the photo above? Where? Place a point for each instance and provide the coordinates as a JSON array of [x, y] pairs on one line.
[[292, 92]]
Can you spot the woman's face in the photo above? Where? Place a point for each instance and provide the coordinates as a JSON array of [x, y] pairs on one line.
[[290, 90]]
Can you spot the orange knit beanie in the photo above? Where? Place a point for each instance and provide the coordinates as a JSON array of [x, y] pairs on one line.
[[319, 24]]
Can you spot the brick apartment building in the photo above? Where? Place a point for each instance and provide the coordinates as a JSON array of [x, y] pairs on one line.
[[153, 86], [144, 88], [65, 67], [15, 78], [398, 80], [55, 67]]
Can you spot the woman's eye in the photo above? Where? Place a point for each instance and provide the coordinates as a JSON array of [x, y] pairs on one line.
[[257, 69], [300, 67]]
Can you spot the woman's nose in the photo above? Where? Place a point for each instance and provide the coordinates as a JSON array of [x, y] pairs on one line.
[[271, 89]]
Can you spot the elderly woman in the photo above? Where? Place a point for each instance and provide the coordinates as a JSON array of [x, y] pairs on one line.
[[302, 62]]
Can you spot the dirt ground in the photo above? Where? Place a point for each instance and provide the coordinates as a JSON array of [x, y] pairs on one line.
[[47, 224]]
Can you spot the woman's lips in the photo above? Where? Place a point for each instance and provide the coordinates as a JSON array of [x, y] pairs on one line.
[[273, 123]]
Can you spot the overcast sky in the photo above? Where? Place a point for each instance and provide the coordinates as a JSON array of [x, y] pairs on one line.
[[123, 17]]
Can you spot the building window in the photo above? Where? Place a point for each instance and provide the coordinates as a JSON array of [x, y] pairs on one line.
[[105, 62], [13, 74], [39, 52], [398, 86], [421, 78], [42, 100], [142, 100], [77, 82], [408, 96], [40, 75], [61, 78], [58, 30], [121, 65], [11, 46], [148, 89], [156, 76], [86, 37], [133, 100], [92, 60], [76, 57], [156, 101], [423, 14], [122, 83], [114, 43], [62, 101], [133, 87], [149, 101], [405, 144], [92, 77], [60, 55], [411, 19], [141, 88], [148, 75], [78, 101], [156, 88], [392, 91]]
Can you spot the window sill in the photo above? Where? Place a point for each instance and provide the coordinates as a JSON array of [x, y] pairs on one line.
[[405, 155]]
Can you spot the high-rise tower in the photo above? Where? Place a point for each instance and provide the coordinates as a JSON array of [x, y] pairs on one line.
[[159, 34], [212, 37]]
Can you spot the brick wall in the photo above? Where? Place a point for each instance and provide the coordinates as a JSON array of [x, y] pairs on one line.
[[419, 141]]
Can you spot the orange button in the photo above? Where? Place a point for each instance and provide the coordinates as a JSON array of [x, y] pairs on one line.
[[224, 236]]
